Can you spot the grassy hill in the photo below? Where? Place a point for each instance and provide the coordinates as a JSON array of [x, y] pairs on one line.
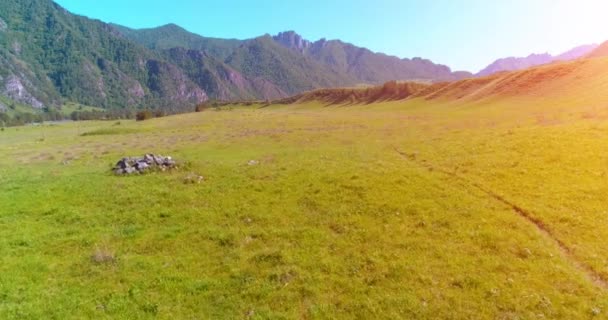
[[479, 199]]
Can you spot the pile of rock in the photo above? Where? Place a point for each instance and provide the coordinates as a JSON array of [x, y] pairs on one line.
[[148, 162]]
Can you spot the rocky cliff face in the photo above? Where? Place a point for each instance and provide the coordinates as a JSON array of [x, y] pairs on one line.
[[14, 89]]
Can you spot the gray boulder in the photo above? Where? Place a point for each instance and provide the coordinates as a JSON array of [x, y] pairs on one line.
[[149, 162]]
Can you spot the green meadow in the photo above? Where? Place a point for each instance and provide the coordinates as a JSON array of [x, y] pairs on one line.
[[398, 210]]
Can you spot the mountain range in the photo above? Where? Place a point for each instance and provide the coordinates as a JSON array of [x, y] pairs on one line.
[[49, 56]]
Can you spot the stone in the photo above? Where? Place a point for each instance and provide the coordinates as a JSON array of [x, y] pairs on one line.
[[122, 163], [129, 170], [193, 178], [148, 162], [141, 166], [596, 311]]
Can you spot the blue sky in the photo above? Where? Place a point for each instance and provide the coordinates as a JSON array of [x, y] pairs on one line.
[[464, 34]]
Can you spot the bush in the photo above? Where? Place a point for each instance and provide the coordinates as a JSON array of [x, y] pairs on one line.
[[144, 115], [201, 107]]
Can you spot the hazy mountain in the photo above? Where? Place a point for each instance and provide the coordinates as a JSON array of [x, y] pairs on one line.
[[600, 51], [519, 63], [576, 53]]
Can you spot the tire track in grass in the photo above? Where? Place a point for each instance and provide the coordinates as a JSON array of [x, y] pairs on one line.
[[593, 276]]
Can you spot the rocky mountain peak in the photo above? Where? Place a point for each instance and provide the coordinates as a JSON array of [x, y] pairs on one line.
[[292, 40]]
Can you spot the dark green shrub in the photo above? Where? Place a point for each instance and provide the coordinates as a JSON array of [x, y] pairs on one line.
[[144, 115]]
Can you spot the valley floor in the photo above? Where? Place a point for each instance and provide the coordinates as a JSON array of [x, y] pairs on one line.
[[413, 210]]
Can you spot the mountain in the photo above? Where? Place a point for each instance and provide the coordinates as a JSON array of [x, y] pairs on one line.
[[520, 63], [364, 65], [515, 63], [293, 72], [295, 64]]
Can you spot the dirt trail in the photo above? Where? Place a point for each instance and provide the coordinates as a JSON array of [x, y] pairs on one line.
[[542, 228]]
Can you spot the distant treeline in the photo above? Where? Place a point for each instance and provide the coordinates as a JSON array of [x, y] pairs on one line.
[[23, 118]]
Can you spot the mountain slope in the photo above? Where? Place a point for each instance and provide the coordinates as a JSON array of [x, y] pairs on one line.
[[520, 63], [264, 58], [48, 55], [218, 79]]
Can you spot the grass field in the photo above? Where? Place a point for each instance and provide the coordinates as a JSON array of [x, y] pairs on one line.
[[413, 210]]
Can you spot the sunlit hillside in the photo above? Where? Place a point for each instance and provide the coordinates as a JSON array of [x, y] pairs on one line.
[[564, 83]]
